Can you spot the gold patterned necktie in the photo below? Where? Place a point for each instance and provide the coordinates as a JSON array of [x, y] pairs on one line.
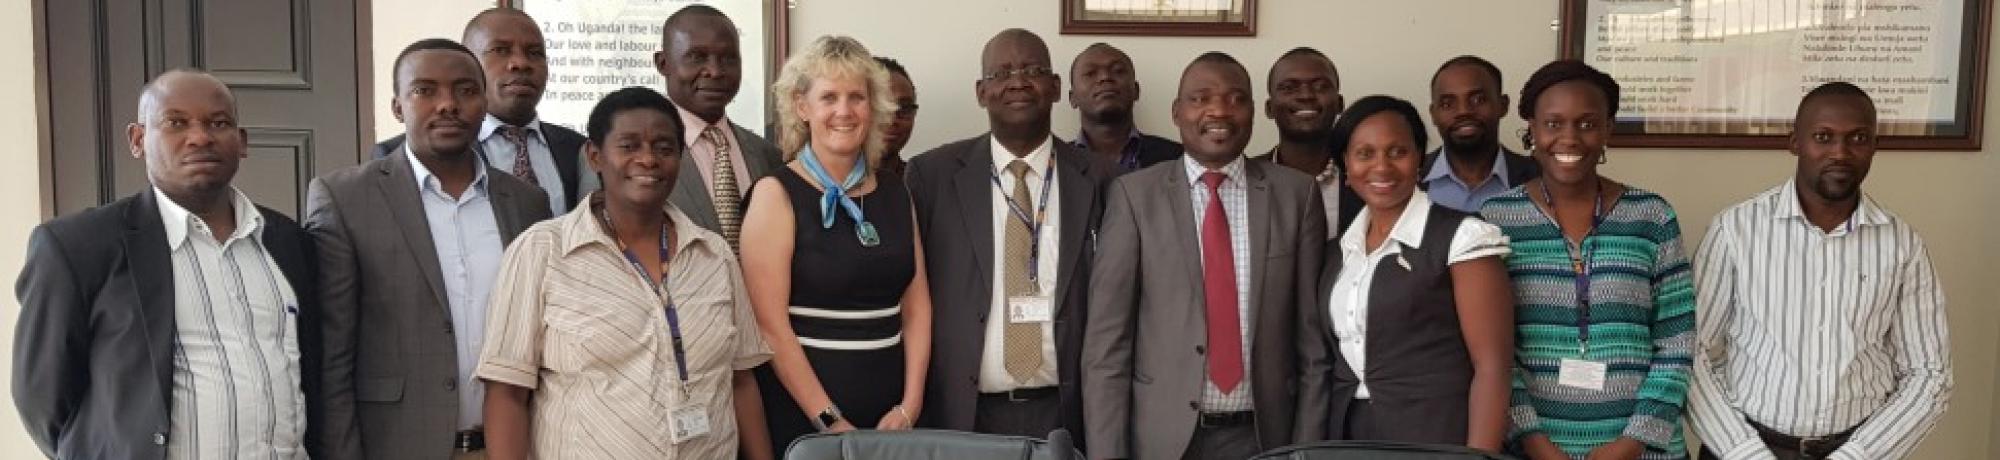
[[1022, 341], [728, 200]]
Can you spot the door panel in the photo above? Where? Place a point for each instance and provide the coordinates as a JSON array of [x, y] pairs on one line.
[[291, 64]]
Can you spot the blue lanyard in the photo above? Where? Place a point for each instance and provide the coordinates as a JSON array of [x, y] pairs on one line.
[[1580, 256], [1034, 224], [673, 314], [837, 193]]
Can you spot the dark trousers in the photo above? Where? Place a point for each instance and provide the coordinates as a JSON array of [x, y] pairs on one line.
[[1222, 442], [1033, 417]]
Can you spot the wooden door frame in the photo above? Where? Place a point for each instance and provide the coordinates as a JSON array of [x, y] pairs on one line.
[[364, 27]]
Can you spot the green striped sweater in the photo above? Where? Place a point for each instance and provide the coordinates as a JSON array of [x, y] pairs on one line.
[[1641, 325]]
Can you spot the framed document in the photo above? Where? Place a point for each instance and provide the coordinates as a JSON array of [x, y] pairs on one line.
[[1730, 73], [598, 46], [1160, 17]]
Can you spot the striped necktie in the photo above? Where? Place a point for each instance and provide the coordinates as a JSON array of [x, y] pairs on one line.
[[727, 199]]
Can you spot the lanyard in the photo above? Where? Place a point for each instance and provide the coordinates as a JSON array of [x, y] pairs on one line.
[[837, 193], [1034, 224], [659, 288], [1580, 256]]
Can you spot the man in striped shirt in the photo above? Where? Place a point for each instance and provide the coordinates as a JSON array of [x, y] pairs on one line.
[[1822, 327]]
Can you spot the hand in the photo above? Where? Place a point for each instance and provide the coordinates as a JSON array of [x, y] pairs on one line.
[[1622, 449], [1539, 447], [898, 418], [841, 426]]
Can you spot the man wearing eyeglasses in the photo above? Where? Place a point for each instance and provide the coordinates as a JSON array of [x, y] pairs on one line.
[[1009, 211]]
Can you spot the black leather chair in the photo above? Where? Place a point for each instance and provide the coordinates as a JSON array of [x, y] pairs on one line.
[[1376, 450], [930, 445]]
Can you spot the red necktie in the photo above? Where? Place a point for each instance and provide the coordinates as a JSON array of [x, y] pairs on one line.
[[1218, 268]]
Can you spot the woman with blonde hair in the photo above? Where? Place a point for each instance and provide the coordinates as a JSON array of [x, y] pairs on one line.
[[831, 256]]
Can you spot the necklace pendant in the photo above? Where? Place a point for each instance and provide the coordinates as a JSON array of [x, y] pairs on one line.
[[866, 232]]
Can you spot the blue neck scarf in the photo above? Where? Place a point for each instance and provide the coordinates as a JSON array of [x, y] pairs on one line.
[[836, 194]]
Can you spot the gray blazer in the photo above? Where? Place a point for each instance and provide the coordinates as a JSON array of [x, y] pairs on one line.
[[94, 348], [952, 186], [391, 366], [1143, 360], [691, 193]]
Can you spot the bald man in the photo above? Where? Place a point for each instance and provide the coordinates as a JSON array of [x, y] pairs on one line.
[[173, 323]]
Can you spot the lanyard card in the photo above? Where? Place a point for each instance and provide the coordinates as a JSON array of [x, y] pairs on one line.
[[1030, 309], [1577, 373], [688, 422]]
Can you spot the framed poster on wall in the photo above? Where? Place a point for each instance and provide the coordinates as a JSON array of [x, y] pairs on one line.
[[1730, 73], [598, 46], [1160, 17]]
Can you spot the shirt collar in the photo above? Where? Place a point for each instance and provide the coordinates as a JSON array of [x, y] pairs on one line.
[[695, 125], [1083, 139], [1409, 227], [178, 220], [426, 180], [1232, 172], [1788, 207], [581, 227], [1038, 159], [492, 125], [1441, 167]]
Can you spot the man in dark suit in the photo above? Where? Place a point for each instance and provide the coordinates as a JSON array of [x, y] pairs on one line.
[[409, 246], [1203, 276], [1103, 88], [511, 52], [1008, 333], [701, 59], [1466, 106], [1304, 101], [120, 351]]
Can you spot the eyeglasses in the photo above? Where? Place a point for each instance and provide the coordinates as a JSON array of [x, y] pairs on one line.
[[906, 110], [1028, 72]]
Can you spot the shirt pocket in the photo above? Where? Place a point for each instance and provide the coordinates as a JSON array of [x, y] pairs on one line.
[[708, 336], [600, 334], [1870, 306]]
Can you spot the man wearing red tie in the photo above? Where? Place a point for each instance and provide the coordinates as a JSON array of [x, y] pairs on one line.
[[1203, 273]]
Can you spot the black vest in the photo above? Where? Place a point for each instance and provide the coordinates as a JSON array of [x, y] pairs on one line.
[[1419, 372]]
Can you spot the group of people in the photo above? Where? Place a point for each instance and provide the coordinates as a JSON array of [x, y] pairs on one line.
[[668, 284]]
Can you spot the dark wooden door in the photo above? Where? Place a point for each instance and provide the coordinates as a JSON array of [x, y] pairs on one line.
[[291, 63]]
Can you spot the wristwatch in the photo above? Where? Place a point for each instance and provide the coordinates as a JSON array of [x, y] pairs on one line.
[[827, 417]]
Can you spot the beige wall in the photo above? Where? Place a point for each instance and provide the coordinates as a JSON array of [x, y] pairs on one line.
[[1392, 47], [19, 214]]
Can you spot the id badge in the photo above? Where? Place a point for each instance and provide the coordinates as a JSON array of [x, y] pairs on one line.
[[688, 423], [1029, 309], [1577, 373]]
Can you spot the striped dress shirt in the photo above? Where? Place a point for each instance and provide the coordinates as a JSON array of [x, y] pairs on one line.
[[1813, 333], [236, 347], [1236, 207], [572, 320]]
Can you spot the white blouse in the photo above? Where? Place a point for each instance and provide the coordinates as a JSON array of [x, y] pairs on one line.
[[1474, 239]]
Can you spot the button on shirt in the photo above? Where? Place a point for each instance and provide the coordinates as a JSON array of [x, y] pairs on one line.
[[1812, 332], [1349, 307], [236, 355], [993, 376], [1451, 191], [500, 151], [1235, 205], [573, 321], [468, 244]]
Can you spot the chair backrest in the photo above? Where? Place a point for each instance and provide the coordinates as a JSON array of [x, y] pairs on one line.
[[1376, 450], [930, 445]]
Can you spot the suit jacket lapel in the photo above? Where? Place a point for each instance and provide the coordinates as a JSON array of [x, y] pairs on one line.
[[152, 274], [975, 209], [566, 149], [506, 213], [398, 184], [1187, 230], [691, 195], [1078, 197], [759, 162], [1258, 196]]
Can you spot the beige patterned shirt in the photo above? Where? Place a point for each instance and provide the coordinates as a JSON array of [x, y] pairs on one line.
[[572, 320]]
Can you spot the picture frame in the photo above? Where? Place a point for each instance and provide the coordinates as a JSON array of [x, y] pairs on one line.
[[616, 51], [1179, 18], [1728, 74]]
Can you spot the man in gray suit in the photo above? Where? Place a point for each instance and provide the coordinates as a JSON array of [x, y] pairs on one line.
[[409, 245], [119, 351], [1203, 277], [700, 59], [1004, 358], [514, 56]]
